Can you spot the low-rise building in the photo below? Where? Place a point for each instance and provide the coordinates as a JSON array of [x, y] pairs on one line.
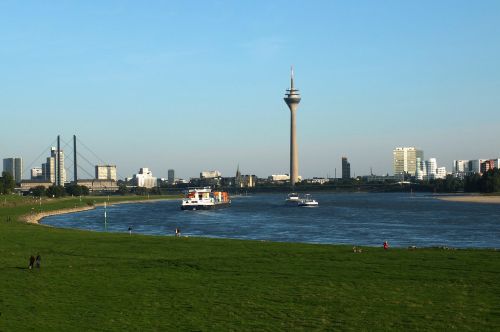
[[380, 178], [27, 185], [210, 174], [486, 165], [279, 177], [36, 173], [99, 185], [317, 180], [105, 172]]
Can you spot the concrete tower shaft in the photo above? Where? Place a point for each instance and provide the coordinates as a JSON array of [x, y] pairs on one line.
[[292, 99]]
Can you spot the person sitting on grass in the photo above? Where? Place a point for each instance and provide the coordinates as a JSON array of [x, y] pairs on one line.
[[38, 261], [32, 262]]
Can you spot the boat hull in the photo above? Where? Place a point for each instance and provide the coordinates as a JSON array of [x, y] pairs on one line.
[[194, 207], [308, 205]]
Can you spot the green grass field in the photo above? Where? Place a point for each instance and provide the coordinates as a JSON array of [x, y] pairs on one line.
[[109, 281]]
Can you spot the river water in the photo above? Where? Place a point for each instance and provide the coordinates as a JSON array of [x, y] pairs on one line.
[[353, 218]]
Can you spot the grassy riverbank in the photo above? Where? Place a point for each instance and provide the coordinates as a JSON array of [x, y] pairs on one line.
[[13, 206], [108, 281]]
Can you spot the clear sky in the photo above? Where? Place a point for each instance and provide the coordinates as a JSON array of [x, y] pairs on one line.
[[198, 85]]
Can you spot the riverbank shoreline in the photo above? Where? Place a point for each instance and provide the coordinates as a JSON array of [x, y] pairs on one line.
[[35, 218], [472, 199]]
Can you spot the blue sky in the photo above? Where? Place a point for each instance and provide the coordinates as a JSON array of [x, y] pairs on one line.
[[197, 85]]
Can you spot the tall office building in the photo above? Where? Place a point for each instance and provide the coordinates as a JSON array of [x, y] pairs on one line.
[[405, 160], [50, 170], [346, 169], [171, 176], [14, 166], [461, 166], [475, 165], [105, 172]]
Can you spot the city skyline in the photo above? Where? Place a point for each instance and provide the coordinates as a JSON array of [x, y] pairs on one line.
[[406, 160], [134, 81]]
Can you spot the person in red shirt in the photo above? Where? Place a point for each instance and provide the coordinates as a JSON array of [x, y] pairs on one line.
[[386, 245]]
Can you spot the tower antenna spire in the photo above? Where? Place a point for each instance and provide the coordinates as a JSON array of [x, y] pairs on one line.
[[291, 78]]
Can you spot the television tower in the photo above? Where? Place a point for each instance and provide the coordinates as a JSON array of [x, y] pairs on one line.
[[292, 99]]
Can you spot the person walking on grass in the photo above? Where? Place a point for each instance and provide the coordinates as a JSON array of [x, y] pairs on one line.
[[32, 262], [38, 261], [386, 245]]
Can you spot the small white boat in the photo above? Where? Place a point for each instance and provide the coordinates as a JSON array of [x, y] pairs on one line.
[[292, 199], [307, 201]]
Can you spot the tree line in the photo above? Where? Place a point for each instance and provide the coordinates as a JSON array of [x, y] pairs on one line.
[[488, 182], [60, 191]]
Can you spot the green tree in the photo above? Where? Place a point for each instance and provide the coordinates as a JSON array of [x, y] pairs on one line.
[[8, 183], [449, 184], [38, 191], [122, 189], [472, 183], [55, 191], [85, 190], [77, 190], [141, 191], [490, 181], [155, 191]]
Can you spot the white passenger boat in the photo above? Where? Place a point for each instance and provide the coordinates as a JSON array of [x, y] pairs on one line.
[[292, 199], [307, 201], [204, 199]]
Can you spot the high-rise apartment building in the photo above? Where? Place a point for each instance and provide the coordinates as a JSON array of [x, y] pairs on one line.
[[405, 160], [461, 166], [475, 165], [49, 169], [171, 176], [105, 172], [14, 166], [346, 169]]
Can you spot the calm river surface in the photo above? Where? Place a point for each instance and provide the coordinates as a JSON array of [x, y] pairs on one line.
[[354, 218]]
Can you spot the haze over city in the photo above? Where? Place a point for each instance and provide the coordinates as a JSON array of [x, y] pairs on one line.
[[199, 85]]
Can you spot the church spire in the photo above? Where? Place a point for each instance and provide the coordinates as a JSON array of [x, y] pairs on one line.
[[238, 173]]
